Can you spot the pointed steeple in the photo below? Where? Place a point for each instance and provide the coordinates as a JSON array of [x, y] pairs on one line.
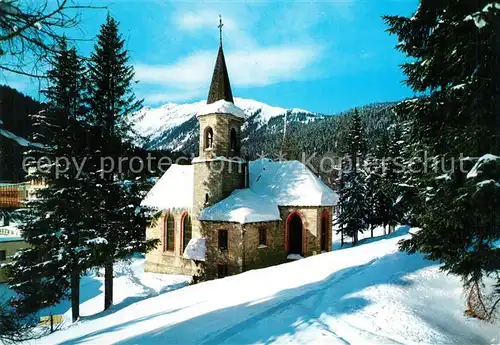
[[220, 88]]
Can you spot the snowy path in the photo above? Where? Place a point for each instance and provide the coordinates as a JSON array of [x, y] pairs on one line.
[[368, 294]]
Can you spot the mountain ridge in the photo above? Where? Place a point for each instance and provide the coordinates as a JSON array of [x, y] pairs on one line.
[[172, 126]]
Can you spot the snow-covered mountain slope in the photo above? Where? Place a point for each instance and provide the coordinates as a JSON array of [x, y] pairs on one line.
[[369, 294], [174, 126]]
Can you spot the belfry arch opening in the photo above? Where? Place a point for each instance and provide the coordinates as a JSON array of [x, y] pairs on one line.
[[209, 138], [233, 140]]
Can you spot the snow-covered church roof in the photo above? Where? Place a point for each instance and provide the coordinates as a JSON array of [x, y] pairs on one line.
[[173, 190], [272, 184], [221, 107], [242, 206], [289, 183]]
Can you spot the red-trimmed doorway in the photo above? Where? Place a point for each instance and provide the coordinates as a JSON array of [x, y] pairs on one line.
[[325, 231], [294, 234]]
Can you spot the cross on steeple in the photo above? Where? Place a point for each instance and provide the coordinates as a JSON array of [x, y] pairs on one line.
[[220, 88], [220, 28]]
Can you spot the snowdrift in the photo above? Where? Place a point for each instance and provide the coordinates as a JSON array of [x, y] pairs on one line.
[[367, 294]]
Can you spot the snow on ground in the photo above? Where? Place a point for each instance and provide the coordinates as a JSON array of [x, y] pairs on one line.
[[21, 141], [131, 285], [371, 293], [5, 238]]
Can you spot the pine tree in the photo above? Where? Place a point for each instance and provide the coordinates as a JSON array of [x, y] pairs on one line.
[[455, 65], [55, 222], [392, 172], [289, 148], [413, 154], [354, 208], [376, 197], [122, 222]]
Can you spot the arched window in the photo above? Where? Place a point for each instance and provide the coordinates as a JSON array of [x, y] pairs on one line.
[[234, 143], [209, 138], [186, 231], [168, 243]]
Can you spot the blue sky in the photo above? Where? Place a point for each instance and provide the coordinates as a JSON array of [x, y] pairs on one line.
[[323, 56]]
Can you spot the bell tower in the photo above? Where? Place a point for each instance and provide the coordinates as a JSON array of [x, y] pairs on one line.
[[218, 169]]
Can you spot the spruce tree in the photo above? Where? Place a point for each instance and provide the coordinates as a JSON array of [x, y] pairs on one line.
[[392, 172], [376, 193], [55, 223], [455, 65], [354, 207], [122, 222]]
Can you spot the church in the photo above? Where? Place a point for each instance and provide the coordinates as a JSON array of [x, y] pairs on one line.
[[222, 215]]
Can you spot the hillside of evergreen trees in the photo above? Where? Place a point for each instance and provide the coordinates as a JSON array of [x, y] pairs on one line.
[[322, 136], [15, 109], [311, 141]]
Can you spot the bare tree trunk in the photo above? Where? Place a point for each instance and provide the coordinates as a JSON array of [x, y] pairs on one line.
[[475, 304], [342, 238], [108, 284], [371, 230], [75, 295]]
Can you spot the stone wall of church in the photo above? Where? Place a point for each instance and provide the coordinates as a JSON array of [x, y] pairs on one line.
[[244, 251], [159, 260], [213, 182], [221, 126], [232, 256], [269, 254]]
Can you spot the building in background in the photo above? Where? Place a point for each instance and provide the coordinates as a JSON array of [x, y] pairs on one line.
[[11, 241], [12, 198]]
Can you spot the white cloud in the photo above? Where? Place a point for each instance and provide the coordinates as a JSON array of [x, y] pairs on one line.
[[187, 78], [205, 22], [250, 63], [271, 65], [201, 20], [187, 73]]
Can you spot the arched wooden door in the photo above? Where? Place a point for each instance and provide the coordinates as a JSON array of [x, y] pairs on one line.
[[295, 234]]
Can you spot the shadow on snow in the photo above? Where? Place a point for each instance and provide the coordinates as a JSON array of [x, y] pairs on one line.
[[400, 231], [292, 308]]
